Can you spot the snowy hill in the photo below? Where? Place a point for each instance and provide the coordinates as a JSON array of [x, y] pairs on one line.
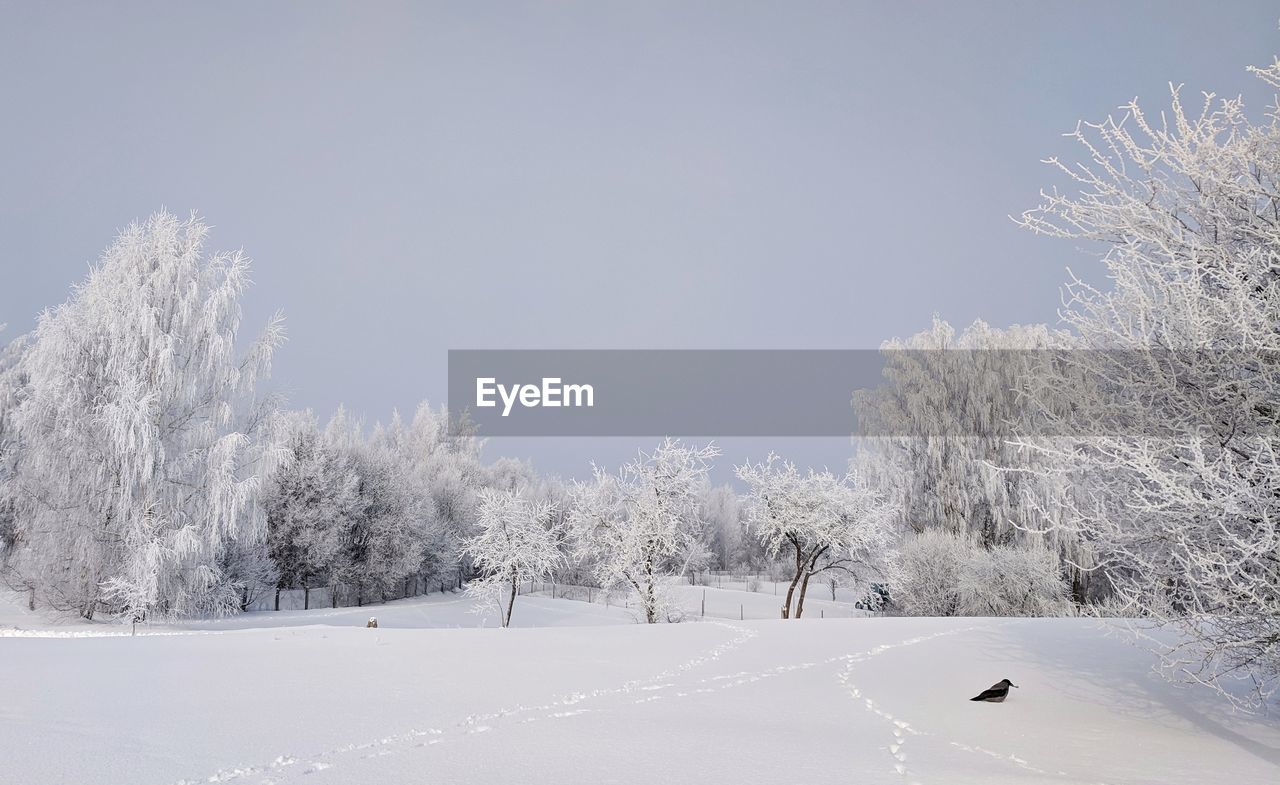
[[313, 697]]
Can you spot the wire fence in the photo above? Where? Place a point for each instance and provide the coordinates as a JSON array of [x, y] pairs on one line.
[[723, 595], [729, 601], [348, 596]]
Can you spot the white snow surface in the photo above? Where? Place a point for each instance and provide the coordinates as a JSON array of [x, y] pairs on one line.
[[581, 694]]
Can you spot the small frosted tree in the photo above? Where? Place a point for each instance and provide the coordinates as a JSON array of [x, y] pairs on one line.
[[926, 576], [515, 541], [1013, 580], [143, 446], [820, 522], [631, 526]]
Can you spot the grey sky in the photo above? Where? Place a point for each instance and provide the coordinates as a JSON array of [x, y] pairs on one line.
[[414, 178]]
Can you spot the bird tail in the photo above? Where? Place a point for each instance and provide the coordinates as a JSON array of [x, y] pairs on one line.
[[976, 699]]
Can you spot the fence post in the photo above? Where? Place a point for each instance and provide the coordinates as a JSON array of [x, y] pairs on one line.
[[741, 614], [704, 602]]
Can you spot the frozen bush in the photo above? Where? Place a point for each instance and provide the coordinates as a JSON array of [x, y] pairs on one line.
[[926, 578], [1011, 580]]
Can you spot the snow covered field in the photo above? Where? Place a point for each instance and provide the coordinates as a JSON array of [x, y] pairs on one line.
[[580, 694]]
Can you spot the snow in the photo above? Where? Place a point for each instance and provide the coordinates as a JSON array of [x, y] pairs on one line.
[[581, 694]]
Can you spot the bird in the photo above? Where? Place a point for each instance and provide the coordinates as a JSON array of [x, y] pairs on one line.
[[996, 693]]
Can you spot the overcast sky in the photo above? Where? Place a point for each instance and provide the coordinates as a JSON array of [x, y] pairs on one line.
[[419, 177]]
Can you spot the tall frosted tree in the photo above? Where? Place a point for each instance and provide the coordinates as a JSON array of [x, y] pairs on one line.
[[631, 526], [944, 425], [1182, 446], [11, 384], [311, 505], [143, 444], [942, 422], [445, 470], [721, 513], [383, 541]]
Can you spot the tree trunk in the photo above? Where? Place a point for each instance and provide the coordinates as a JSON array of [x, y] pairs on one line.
[[808, 572], [277, 598], [650, 595], [795, 579], [511, 602], [31, 598], [1080, 589], [804, 587], [786, 602]]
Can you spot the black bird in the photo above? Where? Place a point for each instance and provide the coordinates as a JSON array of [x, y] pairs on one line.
[[996, 694]]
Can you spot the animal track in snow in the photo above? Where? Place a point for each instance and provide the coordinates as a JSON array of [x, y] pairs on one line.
[[1010, 757], [900, 728], [477, 723]]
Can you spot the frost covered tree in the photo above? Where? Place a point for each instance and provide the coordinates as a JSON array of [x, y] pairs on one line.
[[944, 424], [11, 384], [384, 541], [374, 514], [247, 566], [446, 474], [721, 513], [818, 521], [516, 540], [632, 525], [143, 447], [311, 504], [1180, 442]]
